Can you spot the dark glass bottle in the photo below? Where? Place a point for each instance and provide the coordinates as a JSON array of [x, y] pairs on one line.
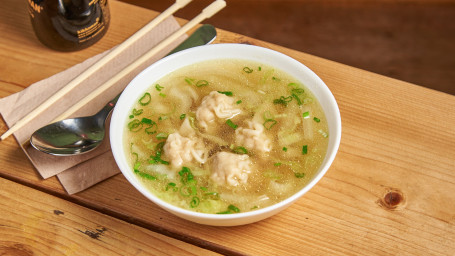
[[69, 25]]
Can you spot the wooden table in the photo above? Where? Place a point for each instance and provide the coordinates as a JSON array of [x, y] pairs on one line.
[[390, 190]]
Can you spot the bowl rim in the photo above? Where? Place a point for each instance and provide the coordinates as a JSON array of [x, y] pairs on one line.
[[242, 51]]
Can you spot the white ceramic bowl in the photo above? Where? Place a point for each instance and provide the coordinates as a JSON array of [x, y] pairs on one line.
[[222, 51]]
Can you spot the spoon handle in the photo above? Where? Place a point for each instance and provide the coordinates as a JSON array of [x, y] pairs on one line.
[[104, 112]]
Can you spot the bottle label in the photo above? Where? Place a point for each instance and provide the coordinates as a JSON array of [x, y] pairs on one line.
[[34, 7]]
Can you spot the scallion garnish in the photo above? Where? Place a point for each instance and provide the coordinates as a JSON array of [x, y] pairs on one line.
[[145, 175], [231, 124], [201, 83], [240, 150], [285, 149], [227, 93], [238, 102], [162, 95], [231, 209], [277, 164], [137, 112], [324, 134], [299, 102], [299, 175], [194, 202], [131, 116], [269, 123], [247, 70], [134, 125], [282, 100], [189, 81], [304, 149], [297, 91], [152, 128], [146, 121], [171, 185], [306, 115], [161, 135], [188, 190], [158, 87], [182, 116], [275, 79], [317, 120], [259, 68], [145, 99]]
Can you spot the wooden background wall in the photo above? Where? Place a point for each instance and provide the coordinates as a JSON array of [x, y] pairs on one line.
[[411, 40]]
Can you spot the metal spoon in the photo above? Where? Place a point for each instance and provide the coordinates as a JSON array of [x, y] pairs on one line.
[[79, 135], [73, 136]]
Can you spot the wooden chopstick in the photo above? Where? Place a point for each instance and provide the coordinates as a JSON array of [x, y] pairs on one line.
[[95, 67], [206, 13]]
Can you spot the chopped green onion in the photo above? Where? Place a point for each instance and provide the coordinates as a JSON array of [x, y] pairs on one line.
[[269, 123], [297, 91], [259, 68], [299, 175], [189, 81], [188, 190], [194, 202], [276, 79], [324, 134], [306, 115], [285, 149], [186, 175], [145, 99], [238, 102], [282, 100], [201, 83], [131, 116], [240, 150], [162, 95], [182, 116], [134, 125], [212, 195], [231, 124], [162, 135], [299, 102], [277, 164], [233, 208], [203, 188], [304, 149], [146, 121], [227, 93], [158, 87], [171, 185], [137, 112], [317, 120], [247, 70], [152, 128], [293, 85], [136, 166], [145, 175]]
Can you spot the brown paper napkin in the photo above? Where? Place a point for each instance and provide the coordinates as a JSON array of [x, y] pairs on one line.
[[77, 173]]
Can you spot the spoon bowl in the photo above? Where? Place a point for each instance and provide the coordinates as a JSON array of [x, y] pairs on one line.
[[73, 136]]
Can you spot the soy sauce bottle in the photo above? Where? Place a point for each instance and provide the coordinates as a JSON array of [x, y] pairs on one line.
[[69, 25]]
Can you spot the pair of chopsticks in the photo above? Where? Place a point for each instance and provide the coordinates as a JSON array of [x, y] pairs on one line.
[[206, 13]]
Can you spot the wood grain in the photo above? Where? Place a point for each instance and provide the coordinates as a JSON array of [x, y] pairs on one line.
[[35, 223], [390, 190], [411, 40]]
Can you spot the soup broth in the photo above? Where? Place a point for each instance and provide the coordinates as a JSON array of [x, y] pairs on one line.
[[226, 136]]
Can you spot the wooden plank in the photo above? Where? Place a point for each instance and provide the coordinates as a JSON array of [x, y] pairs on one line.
[[411, 40], [388, 191], [35, 223]]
